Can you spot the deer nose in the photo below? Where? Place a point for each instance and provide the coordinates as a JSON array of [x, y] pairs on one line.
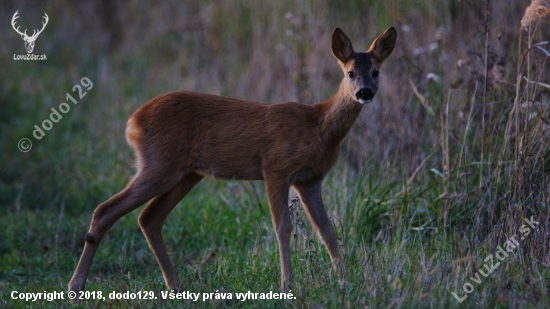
[[364, 95]]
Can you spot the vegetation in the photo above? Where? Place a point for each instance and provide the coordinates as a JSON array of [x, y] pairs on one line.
[[441, 171]]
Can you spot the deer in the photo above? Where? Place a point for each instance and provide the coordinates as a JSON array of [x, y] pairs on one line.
[[180, 137], [29, 40]]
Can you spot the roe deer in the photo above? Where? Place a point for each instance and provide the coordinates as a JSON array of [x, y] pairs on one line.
[[180, 137]]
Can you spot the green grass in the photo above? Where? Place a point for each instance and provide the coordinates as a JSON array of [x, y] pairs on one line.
[[431, 180]]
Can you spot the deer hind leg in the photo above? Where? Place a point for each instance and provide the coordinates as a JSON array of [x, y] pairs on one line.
[[151, 220], [311, 197], [145, 185], [277, 193]]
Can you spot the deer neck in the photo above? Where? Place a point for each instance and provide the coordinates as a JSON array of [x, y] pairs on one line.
[[339, 115]]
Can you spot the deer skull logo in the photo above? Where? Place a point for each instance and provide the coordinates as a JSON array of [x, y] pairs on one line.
[[29, 40]]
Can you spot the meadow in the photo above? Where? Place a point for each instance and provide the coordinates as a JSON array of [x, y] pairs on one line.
[[442, 185]]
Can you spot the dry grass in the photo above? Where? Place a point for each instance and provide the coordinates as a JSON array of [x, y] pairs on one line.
[[537, 11]]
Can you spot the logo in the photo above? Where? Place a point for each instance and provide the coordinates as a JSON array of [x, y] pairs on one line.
[[29, 40]]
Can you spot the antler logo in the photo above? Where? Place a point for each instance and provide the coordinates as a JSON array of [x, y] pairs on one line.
[[29, 40]]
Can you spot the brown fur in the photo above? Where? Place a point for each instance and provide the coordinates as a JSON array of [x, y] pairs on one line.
[[180, 137]]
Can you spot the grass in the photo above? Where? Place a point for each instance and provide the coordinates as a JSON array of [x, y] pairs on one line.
[[438, 173]]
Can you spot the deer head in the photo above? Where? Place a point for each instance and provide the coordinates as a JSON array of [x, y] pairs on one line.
[[362, 68], [29, 40]]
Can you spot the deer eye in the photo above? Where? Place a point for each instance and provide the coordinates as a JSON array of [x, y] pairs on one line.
[[375, 73], [351, 74]]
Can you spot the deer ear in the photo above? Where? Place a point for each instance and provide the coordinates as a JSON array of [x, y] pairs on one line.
[[384, 44], [341, 46]]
